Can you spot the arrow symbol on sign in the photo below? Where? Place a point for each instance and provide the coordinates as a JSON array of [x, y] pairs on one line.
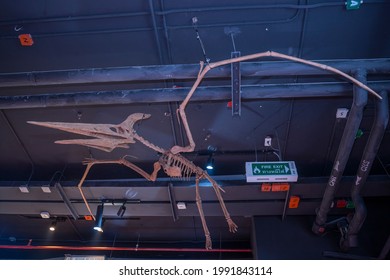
[[286, 169], [354, 3], [256, 170]]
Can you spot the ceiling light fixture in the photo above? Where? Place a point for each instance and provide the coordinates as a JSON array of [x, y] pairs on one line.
[[53, 226], [181, 206], [121, 210], [99, 218], [45, 215], [24, 189], [210, 163], [46, 189]]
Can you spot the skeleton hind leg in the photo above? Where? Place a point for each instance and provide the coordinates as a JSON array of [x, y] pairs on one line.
[[232, 226], [202, 217]]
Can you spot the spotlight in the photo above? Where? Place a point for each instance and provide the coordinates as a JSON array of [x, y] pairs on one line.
[[99, 218], [210, 163], [45, 215], [121, 210], [53, 226]]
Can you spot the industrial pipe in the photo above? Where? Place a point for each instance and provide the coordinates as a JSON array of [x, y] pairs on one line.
[[162, 95], [181, 71], [354, 119], [369, 154]]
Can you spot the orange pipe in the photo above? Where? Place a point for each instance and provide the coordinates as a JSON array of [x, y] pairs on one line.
[[105, 248]]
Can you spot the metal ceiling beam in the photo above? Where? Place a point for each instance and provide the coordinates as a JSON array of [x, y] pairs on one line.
[[314, 185], [242, 199], [161, 209], [183, 71], [156, 192], [162, 95]]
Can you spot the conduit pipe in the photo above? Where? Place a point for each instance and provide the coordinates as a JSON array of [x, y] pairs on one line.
[[354, 119], [369, 154], [182, 71], [134, 249], [212, 93]]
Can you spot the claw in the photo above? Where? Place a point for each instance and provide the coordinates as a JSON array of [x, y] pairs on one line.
[[232, 226], [209, 244], [87, 161]]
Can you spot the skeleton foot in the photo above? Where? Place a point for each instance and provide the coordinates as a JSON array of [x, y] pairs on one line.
[[232, 226], [209, 244]]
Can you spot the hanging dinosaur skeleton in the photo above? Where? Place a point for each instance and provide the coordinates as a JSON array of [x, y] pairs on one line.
[[107, 137]]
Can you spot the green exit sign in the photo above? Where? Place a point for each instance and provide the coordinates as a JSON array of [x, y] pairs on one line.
[[353, 4], [275, 171]]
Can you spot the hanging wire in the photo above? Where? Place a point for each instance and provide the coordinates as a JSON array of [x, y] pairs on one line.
[[255, 153], [383, 166], [137, 245], [195, 26], [113, 244], [277, 152], [61, 173], [21, 144], [234, 44], [277, 155]]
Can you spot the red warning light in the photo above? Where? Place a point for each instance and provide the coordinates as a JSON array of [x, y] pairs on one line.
[[341, 203]]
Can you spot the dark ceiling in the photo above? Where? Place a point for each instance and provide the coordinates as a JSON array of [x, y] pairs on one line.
[[99, 62]]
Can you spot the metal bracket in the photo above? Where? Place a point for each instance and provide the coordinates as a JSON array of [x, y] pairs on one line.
[[173, 202], [236, 85], [66, 200]]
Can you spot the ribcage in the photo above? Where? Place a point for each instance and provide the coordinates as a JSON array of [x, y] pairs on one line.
[[177, 166]]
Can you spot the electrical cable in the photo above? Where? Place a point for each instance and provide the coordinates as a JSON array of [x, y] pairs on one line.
[[195, 26], [383, 166], [12, 129]]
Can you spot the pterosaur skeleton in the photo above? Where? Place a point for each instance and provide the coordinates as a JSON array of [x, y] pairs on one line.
[[107, 137]]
